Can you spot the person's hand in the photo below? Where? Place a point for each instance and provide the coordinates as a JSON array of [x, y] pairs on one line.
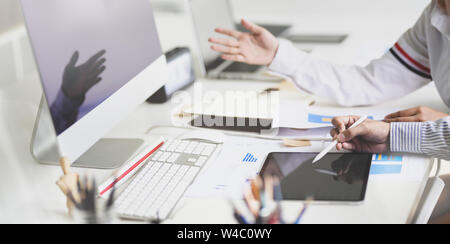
[[371, 136], [418, 114], [258, 47], [78, 80]]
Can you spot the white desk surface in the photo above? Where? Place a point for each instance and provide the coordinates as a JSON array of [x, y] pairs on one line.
[[28, 193]]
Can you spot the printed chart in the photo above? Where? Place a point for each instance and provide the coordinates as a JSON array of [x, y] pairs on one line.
[[323, 119], [386, 164], [249, 158]]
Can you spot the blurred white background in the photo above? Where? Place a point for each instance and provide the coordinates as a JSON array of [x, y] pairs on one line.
[[370, 18], [332, 10]]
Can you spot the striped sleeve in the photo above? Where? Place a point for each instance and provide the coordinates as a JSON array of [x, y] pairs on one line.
[[411, 63], [430, 138], [412, 48]]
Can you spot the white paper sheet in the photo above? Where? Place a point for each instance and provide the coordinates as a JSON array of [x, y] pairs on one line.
[[397, 167], [296, 115], [240, 160]]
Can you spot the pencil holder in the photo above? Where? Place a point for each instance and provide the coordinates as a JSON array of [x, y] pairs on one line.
[[101, 215], [263, 202], [88, 208]]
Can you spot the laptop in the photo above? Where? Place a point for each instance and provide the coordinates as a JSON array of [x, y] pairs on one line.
[[208, 15]]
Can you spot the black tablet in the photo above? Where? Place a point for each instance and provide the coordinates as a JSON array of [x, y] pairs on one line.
[[338, 177]]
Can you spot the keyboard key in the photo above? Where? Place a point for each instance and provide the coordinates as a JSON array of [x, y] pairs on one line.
[[165, 145], [201, 161], [190, 148], [182, 146], [199, 149], [173, 158], [173, 146], [157, 155], [208, 150], [164, 157]]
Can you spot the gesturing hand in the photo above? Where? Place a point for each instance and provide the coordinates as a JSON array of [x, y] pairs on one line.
[[258, 47], [78, 80], [371, 136], [418, 114]]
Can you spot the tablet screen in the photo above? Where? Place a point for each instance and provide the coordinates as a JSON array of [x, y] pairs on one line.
[[337, 177]]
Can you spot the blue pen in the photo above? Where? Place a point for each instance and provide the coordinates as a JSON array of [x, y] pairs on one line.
[[241, 219], [305, 207]]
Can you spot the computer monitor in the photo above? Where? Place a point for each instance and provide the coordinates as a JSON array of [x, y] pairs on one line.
[[98, 60]]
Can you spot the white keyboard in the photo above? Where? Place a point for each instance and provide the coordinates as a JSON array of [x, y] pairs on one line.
[[163, 179]]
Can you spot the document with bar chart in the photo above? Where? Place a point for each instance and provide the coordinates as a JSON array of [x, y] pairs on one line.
[[317, 116], [386, 164], [239, 160], [397, 166], [323, 119]]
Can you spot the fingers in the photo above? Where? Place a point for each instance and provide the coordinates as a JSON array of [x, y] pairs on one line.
[[403, 113], [96, 73], [96, 56], [350, 134], [343, 122], [224, 49], [349, 146], [97, 65], [402, 119], [232, 33], [255, 29], [92, 82], [224, 42], [339, 123], [334, 132], [74, 59]]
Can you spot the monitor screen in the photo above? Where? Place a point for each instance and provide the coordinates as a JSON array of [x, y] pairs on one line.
[[87, 50], [207, 16]]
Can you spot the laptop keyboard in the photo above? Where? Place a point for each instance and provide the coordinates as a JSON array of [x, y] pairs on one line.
[[241, 68]]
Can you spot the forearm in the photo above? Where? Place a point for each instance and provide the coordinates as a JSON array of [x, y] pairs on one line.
[[383, 79], [64, 111], [430, 138]]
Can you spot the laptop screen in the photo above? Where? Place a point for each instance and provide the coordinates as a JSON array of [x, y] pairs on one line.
[[208, 15]]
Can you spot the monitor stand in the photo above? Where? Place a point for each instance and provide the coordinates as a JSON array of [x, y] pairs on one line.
[[105, 154]]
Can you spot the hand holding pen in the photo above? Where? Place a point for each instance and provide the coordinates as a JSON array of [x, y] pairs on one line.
[[370, 136]]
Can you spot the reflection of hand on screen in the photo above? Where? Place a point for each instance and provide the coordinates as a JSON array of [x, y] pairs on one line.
[[78, 80], [348, 170]]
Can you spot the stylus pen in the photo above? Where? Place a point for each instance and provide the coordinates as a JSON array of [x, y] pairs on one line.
[[326, 172], [335, 142]]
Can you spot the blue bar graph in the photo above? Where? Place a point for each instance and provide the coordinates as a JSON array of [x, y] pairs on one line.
[[380, 169], [322, 119], [387, 158], [249, 158]]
